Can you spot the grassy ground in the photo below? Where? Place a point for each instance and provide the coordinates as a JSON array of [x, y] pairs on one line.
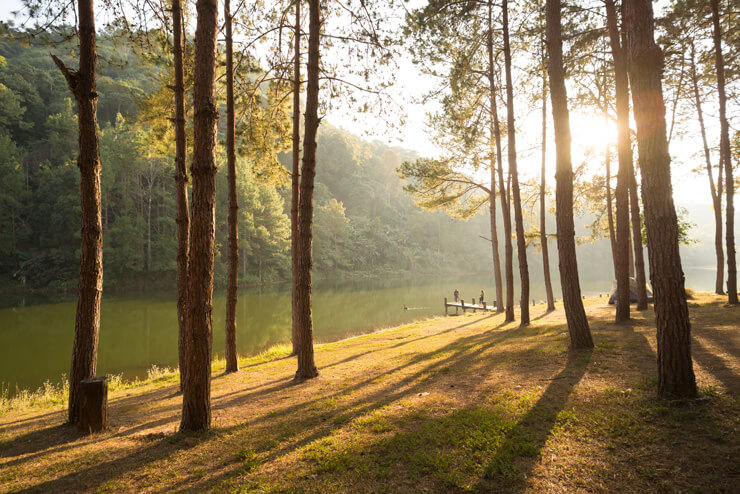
[[447, 405]]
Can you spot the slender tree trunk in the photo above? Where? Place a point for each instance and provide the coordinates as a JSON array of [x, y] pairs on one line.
[[642, 303], [295, 176], [521, 242], [637, 241], [90, 288], [492, 137], [306, 366], [624, 152], [632, 258], [181, 189], [232, 363], [725, 156], [543, 190], [580, 334], [719, 286], [505, 212], [609, 209], [675, 370], [196, 403]]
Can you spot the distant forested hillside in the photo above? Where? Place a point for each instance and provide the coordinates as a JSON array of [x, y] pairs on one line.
[[365, 224]]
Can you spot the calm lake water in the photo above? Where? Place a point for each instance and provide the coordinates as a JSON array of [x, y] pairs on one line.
[[140, 330]]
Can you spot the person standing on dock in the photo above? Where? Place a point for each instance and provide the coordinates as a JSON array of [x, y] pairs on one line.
[[456, 295], [482, 297]]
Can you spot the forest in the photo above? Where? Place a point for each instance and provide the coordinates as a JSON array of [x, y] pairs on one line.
[[359, 198], [581, 155]]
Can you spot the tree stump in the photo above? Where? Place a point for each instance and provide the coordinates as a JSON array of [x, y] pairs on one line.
[[94, 404]]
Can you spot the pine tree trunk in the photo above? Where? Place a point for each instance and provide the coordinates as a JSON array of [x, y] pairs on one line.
[[543, 190], [181, 189], [609, 209], [492, 144], [295, 175], [580, 334], [232, 364], [675, 370], [719, 285], [624, 153], [306, 366], [642, 302], [90, 289], [508, 248], [521, 242], [196, 402], [505, 213], [725, 156]]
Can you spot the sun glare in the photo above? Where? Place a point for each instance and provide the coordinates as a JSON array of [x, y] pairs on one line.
[[592, 133]]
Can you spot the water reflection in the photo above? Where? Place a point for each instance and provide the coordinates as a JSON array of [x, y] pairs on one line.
[[140, 330]]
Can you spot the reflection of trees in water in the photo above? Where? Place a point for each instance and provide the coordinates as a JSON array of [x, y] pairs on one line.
[[138, 331]]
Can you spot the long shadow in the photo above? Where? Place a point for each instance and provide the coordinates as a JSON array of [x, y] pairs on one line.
[[715, 366], [404, 342], [461, 352], [300, 418], [94, 475], [530, 434], [39, 440]]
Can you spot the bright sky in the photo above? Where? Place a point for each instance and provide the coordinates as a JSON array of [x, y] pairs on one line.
[[588, 131]]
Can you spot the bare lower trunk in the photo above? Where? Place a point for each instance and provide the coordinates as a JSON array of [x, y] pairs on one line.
[[232, 364], [624, 152], [675, 370], [719, 285], [725, 156], [181, 187], [637, 242], [508, 248], [90, 288], [196, 402], [505, 213], [543, 190], [609, 209], [295, 176], [306, 366], [493, 129], [580, 334], [521, 242]]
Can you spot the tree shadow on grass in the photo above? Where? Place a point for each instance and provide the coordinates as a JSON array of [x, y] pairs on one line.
[[516, 456], [38, 440], [715, 366]]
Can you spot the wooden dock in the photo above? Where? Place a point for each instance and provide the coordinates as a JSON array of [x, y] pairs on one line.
[[466, 307]]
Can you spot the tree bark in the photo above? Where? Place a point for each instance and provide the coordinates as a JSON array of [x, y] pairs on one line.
[[624, 153], [181, 189], [90, 288], [492, 137], [642, 302], [521, 242], [719, 285], [295, 175], [543, 190], [725, 155], [580, 334], [306, 366], [505, 212], [232, 364], [609, 209], [196, 403], [675, 370]]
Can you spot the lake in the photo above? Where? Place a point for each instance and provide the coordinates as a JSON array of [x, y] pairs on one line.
[[140, 330]]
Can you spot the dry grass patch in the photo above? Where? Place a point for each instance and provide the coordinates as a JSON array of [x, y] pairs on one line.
[[447, 405]]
